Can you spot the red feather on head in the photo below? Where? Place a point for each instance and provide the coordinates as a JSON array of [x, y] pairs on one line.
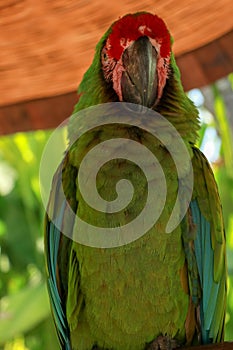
[[131, 27], [123, 33]]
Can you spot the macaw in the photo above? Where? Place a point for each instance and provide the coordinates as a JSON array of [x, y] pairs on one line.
[[162, 290]]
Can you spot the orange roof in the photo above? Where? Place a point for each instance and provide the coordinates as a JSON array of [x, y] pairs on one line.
[[46, 46]]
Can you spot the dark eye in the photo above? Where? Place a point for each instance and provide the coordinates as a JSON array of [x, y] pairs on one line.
[[108, 64], [104, 55]]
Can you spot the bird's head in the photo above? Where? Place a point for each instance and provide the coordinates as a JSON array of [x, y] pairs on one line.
[[135, 58], [134, 63]]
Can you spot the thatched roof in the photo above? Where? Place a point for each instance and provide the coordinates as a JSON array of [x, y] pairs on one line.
[[46, 46]]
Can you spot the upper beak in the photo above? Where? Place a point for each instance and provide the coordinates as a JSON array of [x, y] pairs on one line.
[[139, 79]]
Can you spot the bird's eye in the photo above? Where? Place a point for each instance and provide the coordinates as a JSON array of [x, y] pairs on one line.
[[104, 55], [108, 64]]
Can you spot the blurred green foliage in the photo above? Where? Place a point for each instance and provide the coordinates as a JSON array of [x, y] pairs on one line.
[[25, 320]]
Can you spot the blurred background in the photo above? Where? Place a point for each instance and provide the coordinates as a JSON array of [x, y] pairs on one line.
[[45, 49]]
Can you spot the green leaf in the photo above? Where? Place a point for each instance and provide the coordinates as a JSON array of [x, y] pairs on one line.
[[224, 128], [22, 311]]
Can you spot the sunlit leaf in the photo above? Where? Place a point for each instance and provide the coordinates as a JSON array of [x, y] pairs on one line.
[[16, 344], [22, 311], [223, 125]]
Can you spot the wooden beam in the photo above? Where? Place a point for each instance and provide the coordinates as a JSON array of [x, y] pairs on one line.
[[208, 63], [215, 346], [45, 113], [198, 68]]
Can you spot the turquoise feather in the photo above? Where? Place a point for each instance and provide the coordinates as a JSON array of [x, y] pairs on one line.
[[53, 236]]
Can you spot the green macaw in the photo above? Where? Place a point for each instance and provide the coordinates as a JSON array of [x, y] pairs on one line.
[[161, 290]]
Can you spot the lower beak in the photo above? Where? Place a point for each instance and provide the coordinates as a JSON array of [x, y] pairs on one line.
[[139, 79]]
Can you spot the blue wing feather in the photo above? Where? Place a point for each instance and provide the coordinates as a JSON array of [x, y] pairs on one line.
[[56, 303], [205, 262], [52, 242]]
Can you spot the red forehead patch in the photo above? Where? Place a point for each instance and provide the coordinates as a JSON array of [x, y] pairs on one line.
[[131, 27]]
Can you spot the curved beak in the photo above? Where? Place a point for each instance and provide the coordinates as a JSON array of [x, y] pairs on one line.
[[139, 79]]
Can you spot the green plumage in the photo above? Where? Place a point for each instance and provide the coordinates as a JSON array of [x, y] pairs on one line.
[[115, 280], [123, 298]]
